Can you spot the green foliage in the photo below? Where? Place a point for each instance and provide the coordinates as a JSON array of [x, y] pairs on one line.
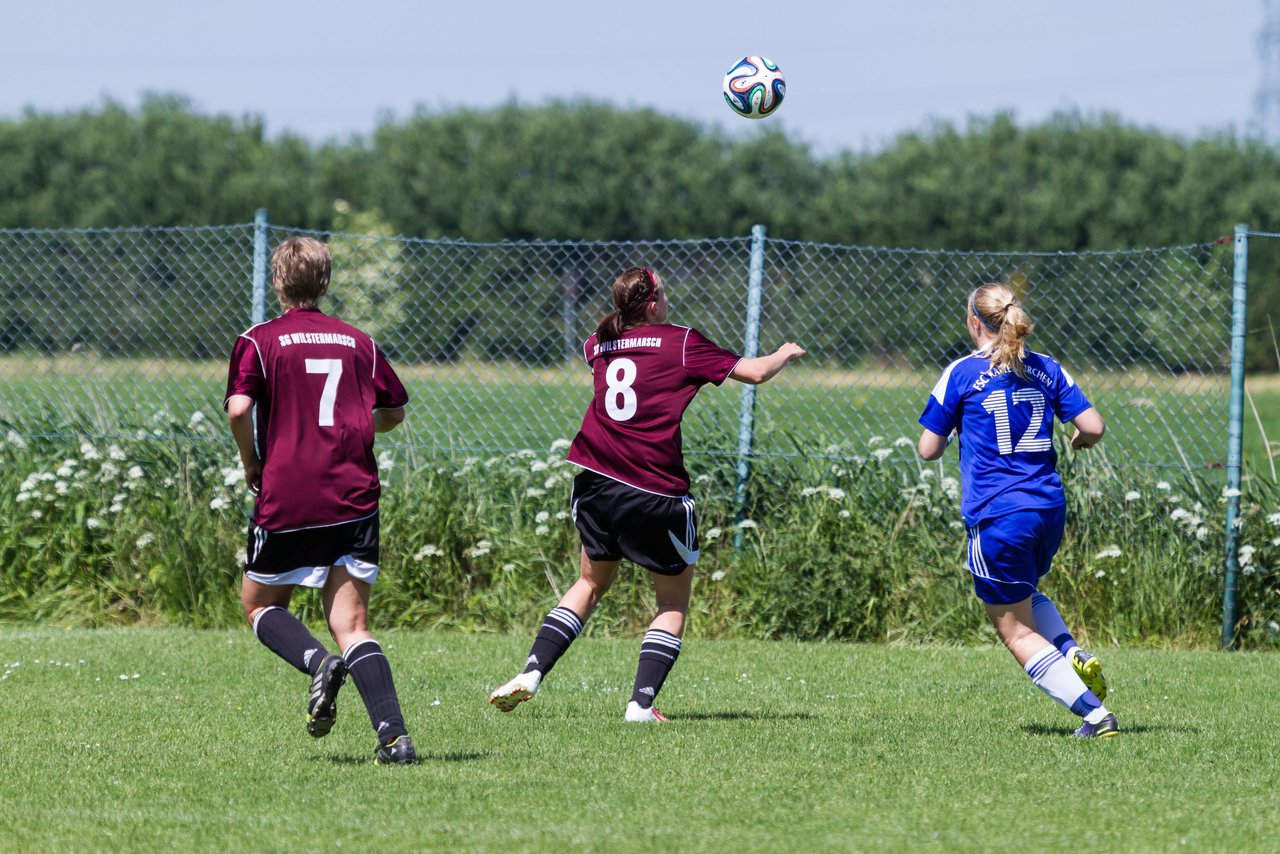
[[846, 546], [582, 170]]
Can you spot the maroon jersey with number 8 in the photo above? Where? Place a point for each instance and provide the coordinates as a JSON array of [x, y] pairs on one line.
[[316, 382], [644, 381]]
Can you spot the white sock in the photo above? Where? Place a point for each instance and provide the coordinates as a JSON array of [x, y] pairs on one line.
[[1096, 715], [1055, 676]]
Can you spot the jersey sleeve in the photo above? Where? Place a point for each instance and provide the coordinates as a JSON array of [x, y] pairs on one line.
[[245, 375], [1068, 400], [706, 361], [388, 391], [941, 411]]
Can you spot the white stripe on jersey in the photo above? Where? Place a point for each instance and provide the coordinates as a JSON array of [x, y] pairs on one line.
[[939, 392]]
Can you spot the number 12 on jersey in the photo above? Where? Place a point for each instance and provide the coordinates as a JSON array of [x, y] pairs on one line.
[[997, 403]]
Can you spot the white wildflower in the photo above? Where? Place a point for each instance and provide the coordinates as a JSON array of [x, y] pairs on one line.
[[1093, 493], [1109, 551], [93, 522], [534, 492], [1179, 513], [67, 469], [950, 487], [1274, 519], [60, 487], [1100, 573], [24, 495], [956, 523], [559, 445], [508, 567], [875, 441], [903, 442], [702, 478], [844, 514], [542, 516], [145, 540], [747, 523], [115, 508], [1163, 485], [109, 471], [882, 454], [231, 475], [480, 549], [37, 514], [550, 483], [1201, 533], [114, 453], [197, 418], [1246, 555], [386, 461], [835, 494], [135, 473], [712, 534], [1231, 493], [429, 550], [1132, 495], [218, 503], [718, 575], [810, 490], [542, 530], [927, 474], [537, 466], [1276, 541], [562, 514], [14, 439]]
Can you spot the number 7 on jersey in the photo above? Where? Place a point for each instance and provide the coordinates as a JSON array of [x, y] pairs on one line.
[[332, 368]]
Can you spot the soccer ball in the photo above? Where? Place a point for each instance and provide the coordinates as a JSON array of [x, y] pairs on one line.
[[754, 87]]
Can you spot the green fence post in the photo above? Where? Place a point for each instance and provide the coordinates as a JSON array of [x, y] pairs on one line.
[[258, 311], [1235, 433], [750, 348]]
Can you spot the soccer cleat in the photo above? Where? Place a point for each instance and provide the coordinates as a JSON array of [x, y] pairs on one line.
[[399, 751], [1105, 728], [639, 715], [322, 704], [515, 692], [1089, 669]]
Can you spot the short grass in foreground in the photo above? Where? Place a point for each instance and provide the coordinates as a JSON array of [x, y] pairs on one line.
[[174, 739]]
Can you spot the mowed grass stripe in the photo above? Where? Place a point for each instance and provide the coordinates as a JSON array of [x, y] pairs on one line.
[[773, 746]]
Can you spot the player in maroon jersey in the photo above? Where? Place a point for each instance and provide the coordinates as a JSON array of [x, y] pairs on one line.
[[632, 498], [321, 390]]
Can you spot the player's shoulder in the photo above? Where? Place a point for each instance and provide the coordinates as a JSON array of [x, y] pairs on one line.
[[964, 368]]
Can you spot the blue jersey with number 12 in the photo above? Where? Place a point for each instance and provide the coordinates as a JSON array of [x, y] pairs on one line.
[[1005, 426]]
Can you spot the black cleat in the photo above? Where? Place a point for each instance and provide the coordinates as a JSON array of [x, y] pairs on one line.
[[399, 751], [322, 704]]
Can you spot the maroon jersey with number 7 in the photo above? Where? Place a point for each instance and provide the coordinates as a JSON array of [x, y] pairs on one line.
[[644, 381], [316, 382]]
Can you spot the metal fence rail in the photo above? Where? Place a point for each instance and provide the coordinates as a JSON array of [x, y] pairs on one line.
[[111, 332]]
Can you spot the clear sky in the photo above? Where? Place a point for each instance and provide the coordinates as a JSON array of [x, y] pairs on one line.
[[857, 72]]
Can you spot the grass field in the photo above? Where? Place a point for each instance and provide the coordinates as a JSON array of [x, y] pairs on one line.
[[187, 740], [1159, 420]]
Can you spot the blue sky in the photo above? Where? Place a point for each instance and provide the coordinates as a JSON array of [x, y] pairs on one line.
[[857, 72]]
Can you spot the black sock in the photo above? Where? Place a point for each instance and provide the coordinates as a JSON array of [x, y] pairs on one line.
[[281, 633], [658, 653], [371, 671], [558, 631]]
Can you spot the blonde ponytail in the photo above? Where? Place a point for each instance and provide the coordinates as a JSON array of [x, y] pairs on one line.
[[999, 310]]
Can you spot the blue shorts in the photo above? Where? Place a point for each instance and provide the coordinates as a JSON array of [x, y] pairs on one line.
[[1008, 555]]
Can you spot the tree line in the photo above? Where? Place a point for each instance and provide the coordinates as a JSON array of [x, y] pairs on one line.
[[589, 171]]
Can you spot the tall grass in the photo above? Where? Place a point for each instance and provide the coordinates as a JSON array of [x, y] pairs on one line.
[[860, 542]]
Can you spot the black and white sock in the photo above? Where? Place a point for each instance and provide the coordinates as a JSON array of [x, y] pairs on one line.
[[369, 668], [283, 634], [558, 631], [658, 653]]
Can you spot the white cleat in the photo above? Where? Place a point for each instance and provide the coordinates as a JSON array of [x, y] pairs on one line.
[[515, 692], [637, 715]]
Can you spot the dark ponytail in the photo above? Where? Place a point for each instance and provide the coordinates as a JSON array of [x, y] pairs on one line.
[[631, 294]]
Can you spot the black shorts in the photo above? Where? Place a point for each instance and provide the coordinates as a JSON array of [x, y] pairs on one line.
[[270, 553], [616, 520]]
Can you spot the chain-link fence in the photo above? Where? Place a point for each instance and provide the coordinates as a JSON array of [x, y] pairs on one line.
[[112, 332]]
